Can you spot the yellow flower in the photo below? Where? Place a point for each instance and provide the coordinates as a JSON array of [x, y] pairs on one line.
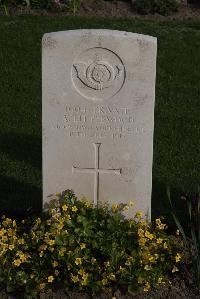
[[165, 245], [147, 287], [60, 226], [42, 285], [159, 241], [126, 208], [74, 278], [7, 222], [74, 209], [17, 262], [50, 278], [86, 202], [43, 247], [142, 241], [131, 203], [121, 269], [139, 214], [140, 280], [10, 232], [22, 257], [147, 268], [152, 259], [51, 242], [175, 269], [81, 272], [162, 226], [158, 221], [2, 232], [114, 208], [143, 223], [41, 253], [67, 217], [112, 276], [159, 224], [93, 260], [55, 264], [84, 280], [107, 264], [160, 280], [140, 232], [82, 245], [11, 247], [78, 261], [178, 257], [21, 241], [148, 235], [104, 281], [65, 207], [48, 222], [62, 251], [129, 260]]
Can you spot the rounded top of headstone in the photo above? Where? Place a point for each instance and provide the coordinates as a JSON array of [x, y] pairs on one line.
[[99, 32]]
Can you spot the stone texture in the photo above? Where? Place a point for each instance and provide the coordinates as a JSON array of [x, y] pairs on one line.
[[98, 115]]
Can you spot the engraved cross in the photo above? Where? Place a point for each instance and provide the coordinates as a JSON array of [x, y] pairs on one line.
[[96, 171]]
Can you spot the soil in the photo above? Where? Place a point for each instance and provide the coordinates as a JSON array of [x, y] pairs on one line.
[[119, 9], [177, 290]]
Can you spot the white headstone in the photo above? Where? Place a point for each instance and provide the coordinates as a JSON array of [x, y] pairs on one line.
[[98, 115]]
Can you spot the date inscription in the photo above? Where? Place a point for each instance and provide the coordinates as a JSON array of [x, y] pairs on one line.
[[98, 122]]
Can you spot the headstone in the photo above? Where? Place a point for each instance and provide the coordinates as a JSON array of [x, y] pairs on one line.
[[98, 115]]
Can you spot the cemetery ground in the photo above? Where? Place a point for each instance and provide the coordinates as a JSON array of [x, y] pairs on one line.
[[101, 8], [177, 121]]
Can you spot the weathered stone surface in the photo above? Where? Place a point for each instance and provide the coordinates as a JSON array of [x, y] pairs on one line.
[[98, 115]]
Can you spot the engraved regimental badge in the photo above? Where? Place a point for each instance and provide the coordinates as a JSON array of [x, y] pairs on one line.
[[98, 73]]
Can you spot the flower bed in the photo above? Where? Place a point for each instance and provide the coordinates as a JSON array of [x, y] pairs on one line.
[[81, 248]]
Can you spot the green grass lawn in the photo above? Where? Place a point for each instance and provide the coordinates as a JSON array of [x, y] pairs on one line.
[[177, 111]]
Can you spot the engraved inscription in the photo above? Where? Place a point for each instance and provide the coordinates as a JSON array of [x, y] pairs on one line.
[[98, 73], [99, 122]]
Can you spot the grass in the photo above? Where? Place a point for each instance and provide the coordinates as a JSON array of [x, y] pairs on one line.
[[177, 110]]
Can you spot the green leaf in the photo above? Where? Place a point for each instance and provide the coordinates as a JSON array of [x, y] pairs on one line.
[[58, 240], [132, 289], [10, 288]]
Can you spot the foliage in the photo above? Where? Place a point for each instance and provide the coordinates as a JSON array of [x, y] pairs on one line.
[[4, 4], [192, 242], [71, 5], [77, 246], [74, 5], [163, 7]]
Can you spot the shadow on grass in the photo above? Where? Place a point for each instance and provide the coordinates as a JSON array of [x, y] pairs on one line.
[[161, 206], [22, 147], [19, 199]]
